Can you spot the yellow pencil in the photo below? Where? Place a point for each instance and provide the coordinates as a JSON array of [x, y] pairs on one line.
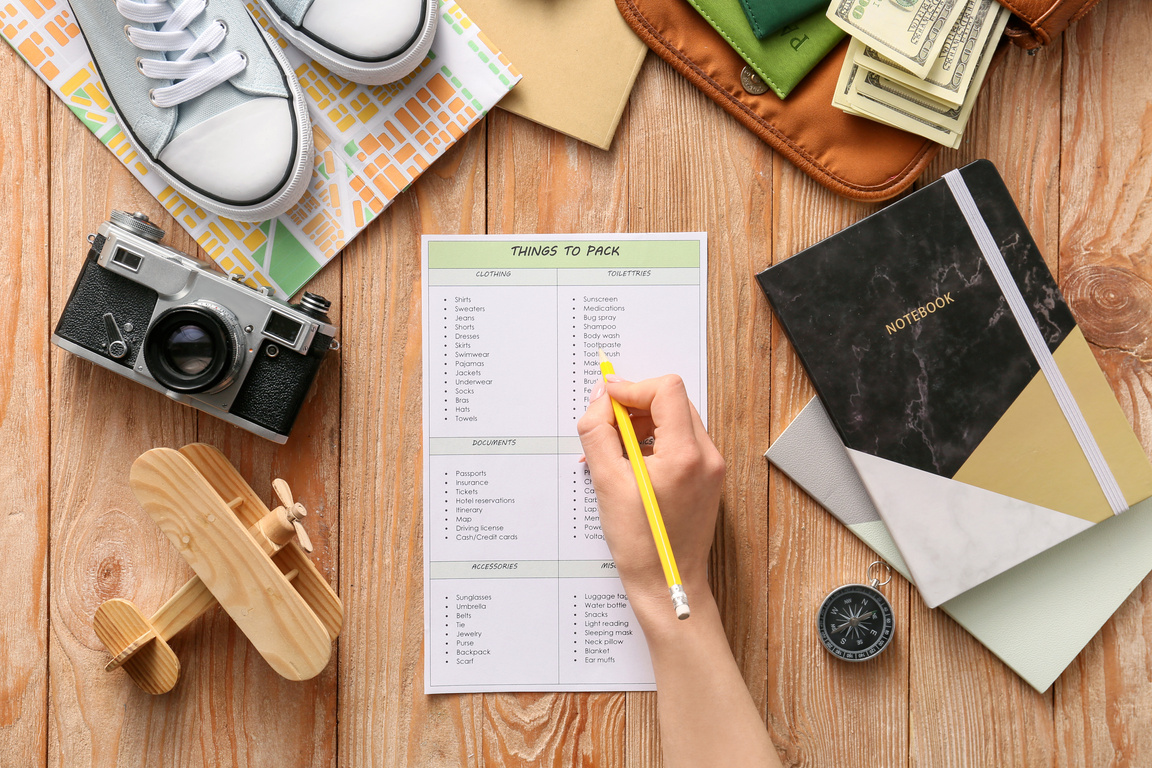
[[648, 496]]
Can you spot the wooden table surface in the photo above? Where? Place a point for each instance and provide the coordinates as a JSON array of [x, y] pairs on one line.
[[1070, 129]]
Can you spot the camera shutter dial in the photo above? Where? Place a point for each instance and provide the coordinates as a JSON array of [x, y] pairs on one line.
[[315, 305], [137, 224]]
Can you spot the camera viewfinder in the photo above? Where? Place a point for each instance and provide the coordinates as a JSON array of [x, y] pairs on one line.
[[283, 328], [126, 259]]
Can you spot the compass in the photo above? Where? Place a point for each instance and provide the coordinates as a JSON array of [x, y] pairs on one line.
[[855, 621]]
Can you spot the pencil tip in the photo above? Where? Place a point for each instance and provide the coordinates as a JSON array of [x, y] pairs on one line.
[[603, 357]]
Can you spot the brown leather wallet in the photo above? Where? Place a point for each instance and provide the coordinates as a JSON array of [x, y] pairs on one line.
[[849, 155]]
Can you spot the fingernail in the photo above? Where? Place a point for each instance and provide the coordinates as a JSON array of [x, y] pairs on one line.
[[597, 390], [581, 460], [613, 378]]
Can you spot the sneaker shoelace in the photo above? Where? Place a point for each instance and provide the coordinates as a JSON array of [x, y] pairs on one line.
[[193, 70]]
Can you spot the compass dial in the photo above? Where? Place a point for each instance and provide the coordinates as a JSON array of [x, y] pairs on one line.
[[855, 622]]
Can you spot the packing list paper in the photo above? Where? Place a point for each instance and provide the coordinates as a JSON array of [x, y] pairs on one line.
[[520, 591], [371, 142]]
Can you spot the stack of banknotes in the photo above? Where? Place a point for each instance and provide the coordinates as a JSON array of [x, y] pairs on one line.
[[917, 64]]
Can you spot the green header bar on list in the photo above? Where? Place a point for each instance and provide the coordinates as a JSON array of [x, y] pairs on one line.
[[563, 254]]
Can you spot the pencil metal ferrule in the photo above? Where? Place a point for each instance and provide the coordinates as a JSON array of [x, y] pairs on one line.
[[679, 601]]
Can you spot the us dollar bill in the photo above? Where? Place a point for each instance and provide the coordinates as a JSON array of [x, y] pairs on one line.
[[952, 72], [852, 101], [863, 92], [909, 32], [917, 102], [870, 88], [842, 98]]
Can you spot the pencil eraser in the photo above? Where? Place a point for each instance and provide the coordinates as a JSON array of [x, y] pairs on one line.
[[679, 601]]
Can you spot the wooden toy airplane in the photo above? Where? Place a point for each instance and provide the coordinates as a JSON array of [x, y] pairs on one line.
[[245, 559]]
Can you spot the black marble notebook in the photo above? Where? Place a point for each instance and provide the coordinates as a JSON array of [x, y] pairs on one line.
[[927, 374]]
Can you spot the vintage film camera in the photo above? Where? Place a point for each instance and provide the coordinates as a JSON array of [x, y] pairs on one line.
[[168, 321]]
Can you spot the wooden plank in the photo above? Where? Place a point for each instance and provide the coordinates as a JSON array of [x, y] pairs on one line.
[[102, 544], [1102, 701], [965, 706], [305, 716], [105, 546], [385, 718], [822, 711], [24, 320], [693, 168], [542, 181]]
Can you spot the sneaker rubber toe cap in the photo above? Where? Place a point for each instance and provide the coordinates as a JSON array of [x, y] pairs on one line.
[[241, 156], [365, 29]]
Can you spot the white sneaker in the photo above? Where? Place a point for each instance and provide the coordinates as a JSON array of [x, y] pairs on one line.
[[208, 102], [366, 41]]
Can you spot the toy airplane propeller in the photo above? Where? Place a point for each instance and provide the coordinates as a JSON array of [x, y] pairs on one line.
[[247, 558]]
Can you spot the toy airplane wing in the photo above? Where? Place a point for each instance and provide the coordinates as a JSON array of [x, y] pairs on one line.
[[230, 484], [215, 543]]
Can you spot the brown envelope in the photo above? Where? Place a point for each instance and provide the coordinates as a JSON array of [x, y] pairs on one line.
[[578, 57]]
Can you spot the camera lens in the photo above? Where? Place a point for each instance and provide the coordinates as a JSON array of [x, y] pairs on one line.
[[189, 349], [194, 348]]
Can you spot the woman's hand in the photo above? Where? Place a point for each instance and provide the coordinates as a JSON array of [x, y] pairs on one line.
[[707, 717], [686, 471]]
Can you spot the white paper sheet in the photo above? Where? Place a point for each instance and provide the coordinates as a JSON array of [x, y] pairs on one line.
[[520, 591]]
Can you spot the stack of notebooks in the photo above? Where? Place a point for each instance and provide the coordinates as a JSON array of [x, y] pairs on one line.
[[964, 429]]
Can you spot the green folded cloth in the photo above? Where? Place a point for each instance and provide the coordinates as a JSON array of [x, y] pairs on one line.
[[768, 16], [784, 57]]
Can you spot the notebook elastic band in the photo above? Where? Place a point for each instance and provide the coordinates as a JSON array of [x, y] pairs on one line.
[[1036, 343]]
